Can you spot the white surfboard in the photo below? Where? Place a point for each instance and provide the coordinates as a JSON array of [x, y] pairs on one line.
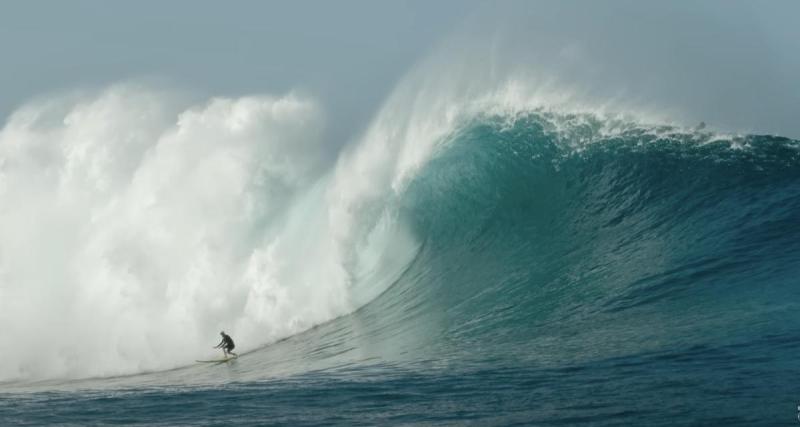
[[226, 359]]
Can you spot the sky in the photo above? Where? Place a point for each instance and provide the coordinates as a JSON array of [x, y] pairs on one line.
[[731, 63], [347, 53]]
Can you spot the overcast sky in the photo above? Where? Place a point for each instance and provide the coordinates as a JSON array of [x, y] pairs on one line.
[[345, 52], [722, 57], [731, 63]]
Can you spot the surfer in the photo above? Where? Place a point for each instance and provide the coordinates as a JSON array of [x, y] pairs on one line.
[[226, 344]]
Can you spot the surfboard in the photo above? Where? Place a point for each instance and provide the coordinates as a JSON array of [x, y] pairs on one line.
[[217, 360]]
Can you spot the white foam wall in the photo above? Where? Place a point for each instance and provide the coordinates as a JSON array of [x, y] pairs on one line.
[[133, 229]]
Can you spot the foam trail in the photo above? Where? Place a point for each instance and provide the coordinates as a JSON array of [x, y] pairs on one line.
[[132, 230]]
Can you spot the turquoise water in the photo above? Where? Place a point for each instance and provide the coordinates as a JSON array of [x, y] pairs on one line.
[[566, 275]]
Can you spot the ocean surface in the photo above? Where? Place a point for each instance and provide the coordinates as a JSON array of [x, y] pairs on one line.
[[567, 269]]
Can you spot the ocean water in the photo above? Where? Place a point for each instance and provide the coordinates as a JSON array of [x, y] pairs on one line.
[[556, 269]]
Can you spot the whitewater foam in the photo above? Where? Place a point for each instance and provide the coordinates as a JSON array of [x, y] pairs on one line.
[[131, 232]]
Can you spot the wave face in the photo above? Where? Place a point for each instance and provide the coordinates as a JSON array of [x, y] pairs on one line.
[[566, 239], [572, 266], [576, 269]]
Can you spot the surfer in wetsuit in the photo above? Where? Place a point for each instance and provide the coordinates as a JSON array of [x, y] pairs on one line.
[[226, 344]]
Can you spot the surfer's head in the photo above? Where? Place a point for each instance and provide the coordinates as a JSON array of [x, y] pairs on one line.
[[222, 332]]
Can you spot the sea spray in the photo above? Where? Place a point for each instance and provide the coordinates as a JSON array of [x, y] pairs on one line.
[[132, 232]]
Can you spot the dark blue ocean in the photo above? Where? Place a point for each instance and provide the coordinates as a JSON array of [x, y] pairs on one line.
[[566, 276]]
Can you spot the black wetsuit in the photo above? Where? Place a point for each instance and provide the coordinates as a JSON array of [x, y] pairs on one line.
[[227, 343]]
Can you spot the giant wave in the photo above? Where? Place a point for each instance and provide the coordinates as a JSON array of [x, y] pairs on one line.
[[515, 250]]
